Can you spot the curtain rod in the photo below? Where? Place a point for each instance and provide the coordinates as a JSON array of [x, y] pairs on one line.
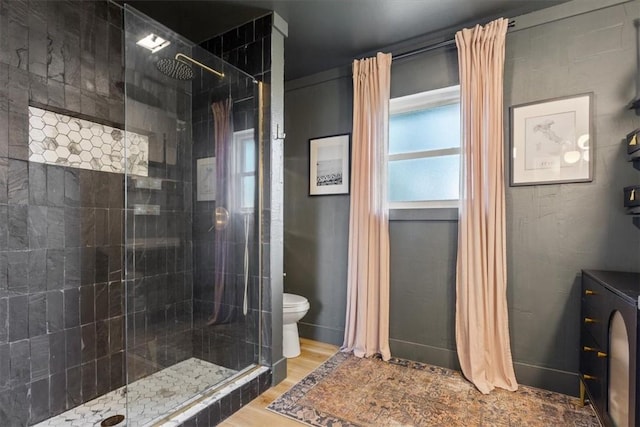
[[435, 46]]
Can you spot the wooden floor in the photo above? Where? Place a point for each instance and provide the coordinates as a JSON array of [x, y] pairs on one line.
[[255, 414]]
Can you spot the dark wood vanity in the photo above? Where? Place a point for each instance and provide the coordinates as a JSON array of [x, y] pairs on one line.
[[608, 374]]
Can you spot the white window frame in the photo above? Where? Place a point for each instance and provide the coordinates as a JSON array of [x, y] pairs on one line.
[[239, 139], [416, 102]]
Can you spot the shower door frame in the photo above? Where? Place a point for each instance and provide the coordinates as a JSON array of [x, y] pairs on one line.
[[130, 242]]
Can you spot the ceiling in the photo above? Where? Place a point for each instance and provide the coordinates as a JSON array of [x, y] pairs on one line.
[[324, 34]]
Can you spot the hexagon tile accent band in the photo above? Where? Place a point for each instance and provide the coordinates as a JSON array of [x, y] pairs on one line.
[[62, 140]]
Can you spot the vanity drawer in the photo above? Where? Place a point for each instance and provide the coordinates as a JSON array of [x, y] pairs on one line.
[[594, 316], [593, 370]]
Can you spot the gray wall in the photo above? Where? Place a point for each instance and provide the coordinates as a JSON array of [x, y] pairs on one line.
[[552, 233], [316, 228]]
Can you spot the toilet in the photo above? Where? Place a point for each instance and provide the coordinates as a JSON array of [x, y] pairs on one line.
[[294, 308]]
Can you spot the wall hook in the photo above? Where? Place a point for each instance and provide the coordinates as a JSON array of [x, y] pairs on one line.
[[277, 135]]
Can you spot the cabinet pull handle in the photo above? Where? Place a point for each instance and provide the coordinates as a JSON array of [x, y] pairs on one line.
[[595, 350], [588, 377], [589, 320], [589, 292]]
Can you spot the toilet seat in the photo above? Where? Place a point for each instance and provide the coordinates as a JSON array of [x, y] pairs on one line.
[[293, 301]]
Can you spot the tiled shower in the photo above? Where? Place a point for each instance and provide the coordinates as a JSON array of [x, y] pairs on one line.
[[106, 243]]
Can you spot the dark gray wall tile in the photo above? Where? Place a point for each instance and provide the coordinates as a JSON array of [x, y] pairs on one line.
[[71, 308], [55, 94], [37, 271], [103, 375], [88, 343], [39, 397], [116, 230], [38, 91], [4, 142], [18, 145], [3, 272], [55, 186], [101, 227], [37, 51], [116, 334], [86, 180], [71, 268], [117, 370], [37, 227], [5, 362], [15, 399], [57, 352], [17, 272], [18, 238], [87, 266], [55, 311], [55, 66], [18, 318], [37, 184], [102, 338], [55, 227], [72, 227], [4, 227], [4, 320], [57, 393], [18, 183], [71, 188], [89, 382], [101, 301], [116, 292], [72, 61], [87, 302], [37, 314], [74, 384], [20, 365], [55, 268], [72, 98], [73, 346], [4, 170], [88, 227], [40, 357]]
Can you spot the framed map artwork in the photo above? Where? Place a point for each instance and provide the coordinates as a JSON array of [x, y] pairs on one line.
[[552, 141]]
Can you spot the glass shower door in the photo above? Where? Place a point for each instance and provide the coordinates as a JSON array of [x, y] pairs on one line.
[[191, 239]]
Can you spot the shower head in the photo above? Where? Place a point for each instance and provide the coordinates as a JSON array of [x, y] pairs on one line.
[[175, 69], [178, 68]]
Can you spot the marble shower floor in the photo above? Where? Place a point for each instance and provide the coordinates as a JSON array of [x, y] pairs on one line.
[[151, 398]]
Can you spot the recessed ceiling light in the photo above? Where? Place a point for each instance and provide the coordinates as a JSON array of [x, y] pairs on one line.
[[153, 43]]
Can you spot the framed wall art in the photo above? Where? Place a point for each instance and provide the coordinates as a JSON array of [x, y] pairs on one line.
[[206, 179], [329, 165], [552, 141]]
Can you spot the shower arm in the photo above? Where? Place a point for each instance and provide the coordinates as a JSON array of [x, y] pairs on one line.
[[182, 56]]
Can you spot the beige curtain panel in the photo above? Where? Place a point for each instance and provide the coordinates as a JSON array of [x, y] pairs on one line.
[[482, 327], [367, 320]]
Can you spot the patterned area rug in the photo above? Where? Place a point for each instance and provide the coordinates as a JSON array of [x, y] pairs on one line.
[[348, 391]]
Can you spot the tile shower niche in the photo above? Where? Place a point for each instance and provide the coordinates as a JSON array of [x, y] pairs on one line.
[[64, 140]]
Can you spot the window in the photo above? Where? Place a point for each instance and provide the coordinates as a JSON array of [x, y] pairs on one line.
[[424, 149], [246, 168]]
